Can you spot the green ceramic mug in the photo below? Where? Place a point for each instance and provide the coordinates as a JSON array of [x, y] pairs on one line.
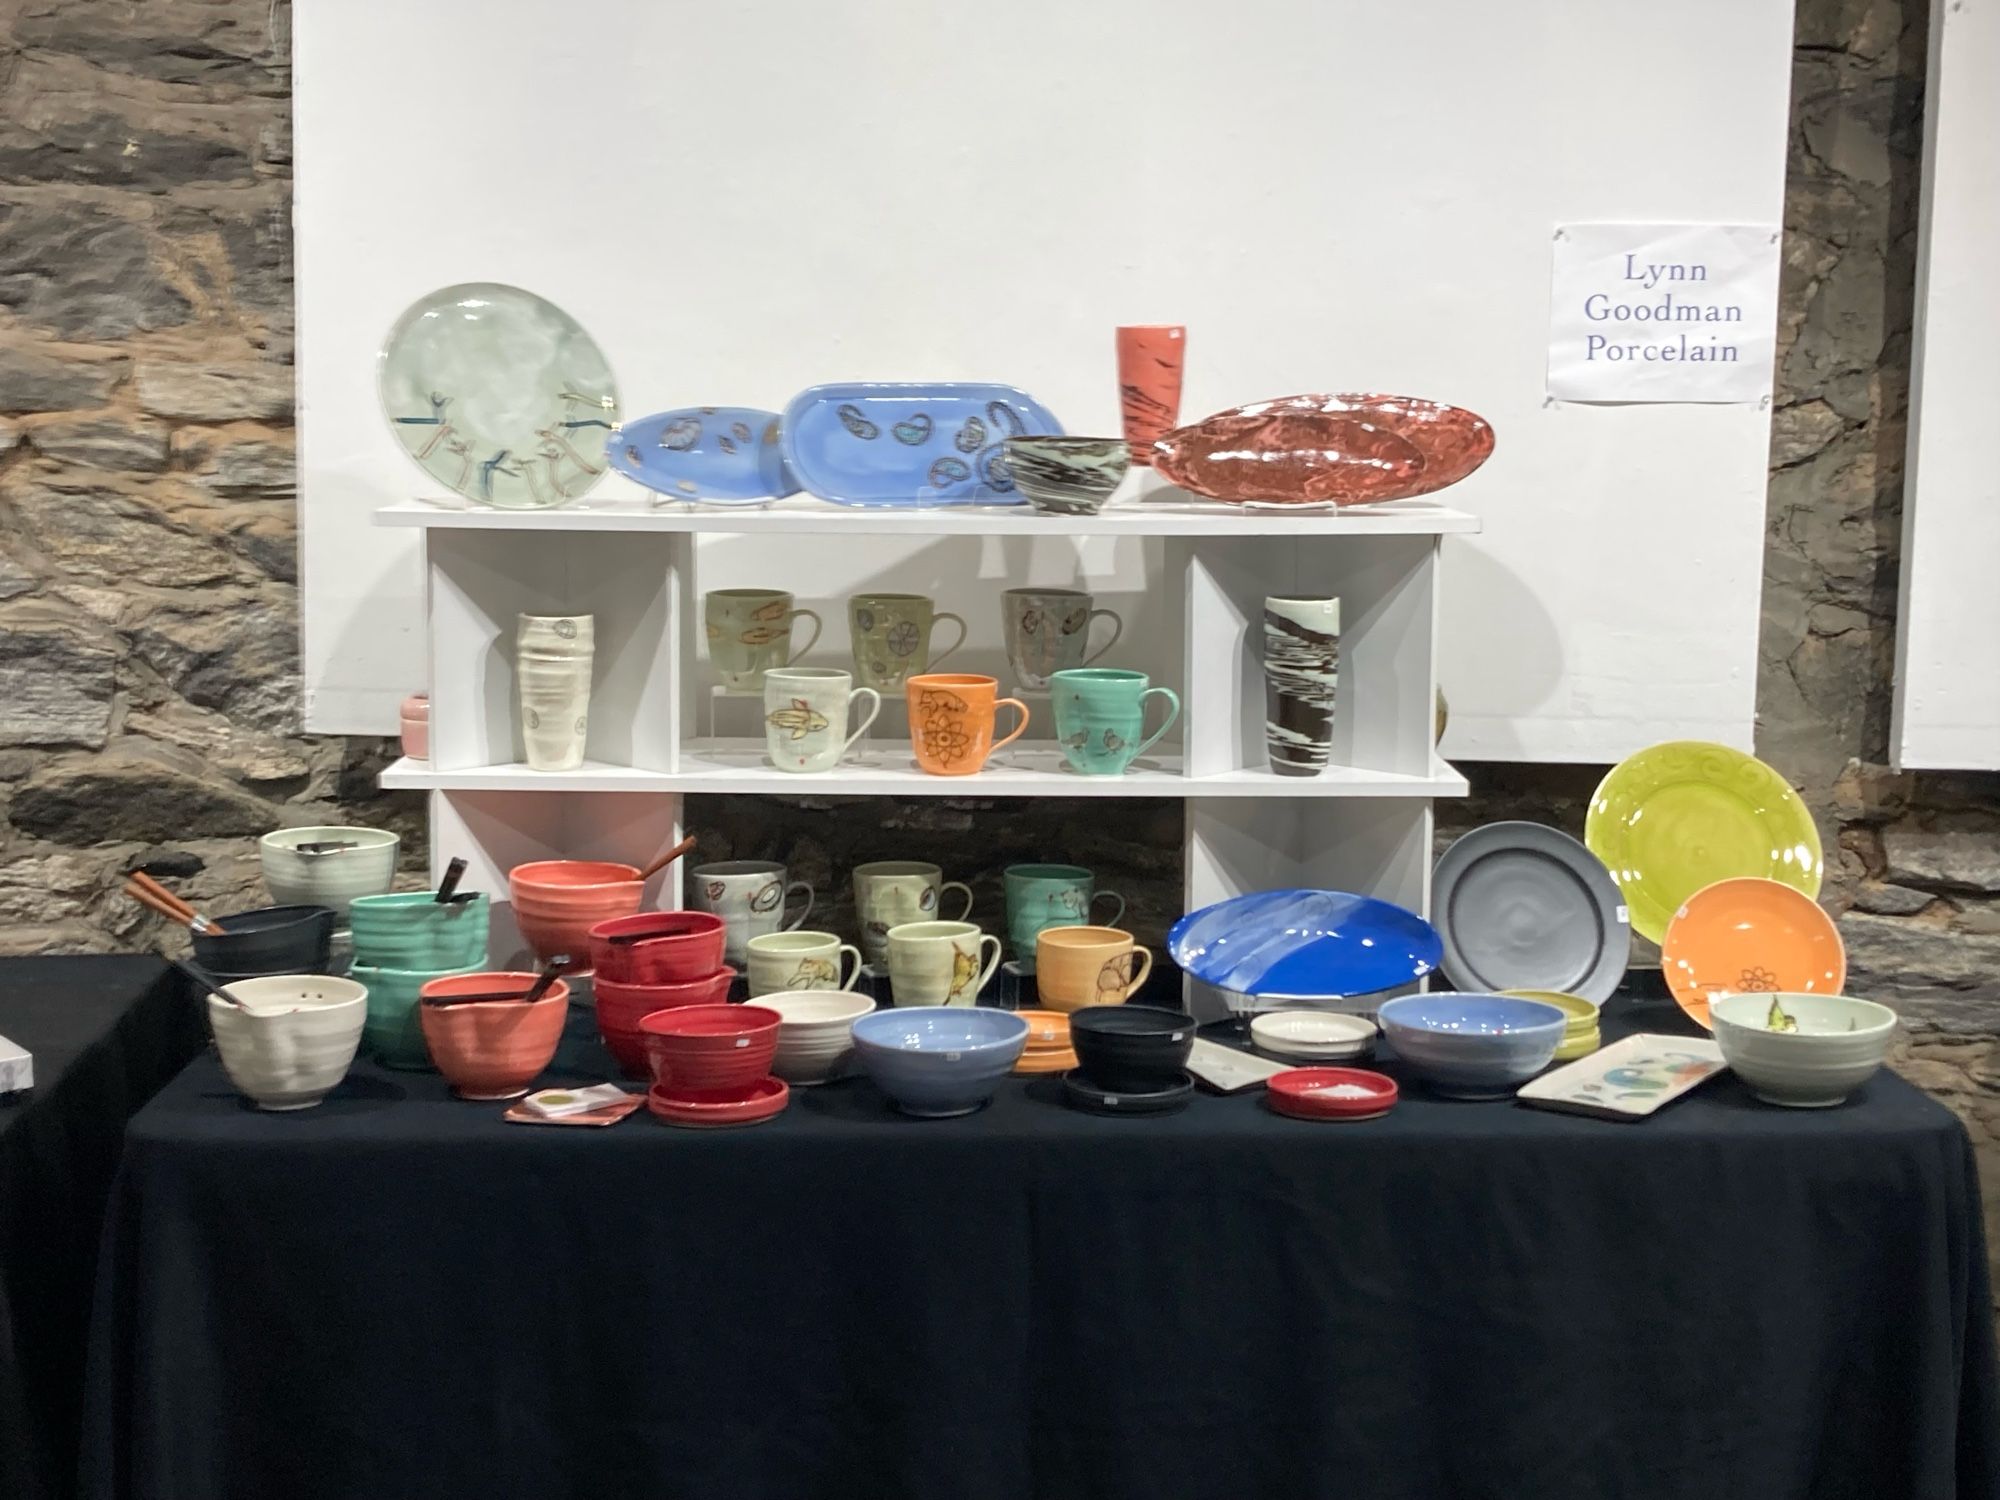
[[1100, 716], [1041, 896]]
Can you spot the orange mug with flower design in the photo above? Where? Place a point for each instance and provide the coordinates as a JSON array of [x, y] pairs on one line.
[[1079, 966], [951, 720]]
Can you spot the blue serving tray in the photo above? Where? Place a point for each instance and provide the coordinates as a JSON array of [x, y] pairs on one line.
[[910, 446], [1325, 944], [710, 455]]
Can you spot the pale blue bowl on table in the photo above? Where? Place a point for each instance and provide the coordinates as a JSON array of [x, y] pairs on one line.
[[939, 1060], [412, 930], [1472, 1046]]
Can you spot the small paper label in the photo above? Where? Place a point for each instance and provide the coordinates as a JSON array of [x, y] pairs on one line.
[[1624, 916]]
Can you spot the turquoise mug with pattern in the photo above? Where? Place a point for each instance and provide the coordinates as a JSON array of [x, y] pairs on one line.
[[1100, 715], [1041, 896]]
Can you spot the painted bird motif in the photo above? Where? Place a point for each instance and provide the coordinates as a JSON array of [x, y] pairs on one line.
[[964, 969], [800, 720]]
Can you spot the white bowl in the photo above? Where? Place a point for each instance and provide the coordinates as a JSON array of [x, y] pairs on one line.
[[293, 1038], [332, 878], [1839, 1044], [1313, 1035], [815, 1031]]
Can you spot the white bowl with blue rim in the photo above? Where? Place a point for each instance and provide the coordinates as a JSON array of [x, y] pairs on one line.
[[1472, 1046], [936, 1061]]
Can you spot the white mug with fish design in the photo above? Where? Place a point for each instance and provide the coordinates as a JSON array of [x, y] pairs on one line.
[[1048, 630], [940, 963], [750, 632], [805, 716], [750, 896], [552, 666], [888, 892], [800, 961]]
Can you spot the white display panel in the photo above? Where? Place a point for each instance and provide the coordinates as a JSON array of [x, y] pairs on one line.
[[1948, 642], [744, 200]]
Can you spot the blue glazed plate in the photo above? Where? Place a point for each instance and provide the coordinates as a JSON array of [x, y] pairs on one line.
[[712, 455], [1325, 944], [910, 445]]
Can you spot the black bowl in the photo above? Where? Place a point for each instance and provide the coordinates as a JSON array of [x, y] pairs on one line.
[[269, 940], [1131, 1048]]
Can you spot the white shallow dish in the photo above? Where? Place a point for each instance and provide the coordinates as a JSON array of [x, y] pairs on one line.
[[292, 1040], [1839, 1045], [1313, 1035]]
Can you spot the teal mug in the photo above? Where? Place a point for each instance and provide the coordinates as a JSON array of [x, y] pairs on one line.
[[1040, 896], [413, 930], [1100, 717]]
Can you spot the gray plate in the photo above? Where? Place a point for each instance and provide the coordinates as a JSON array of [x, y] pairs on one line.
[[1521, 906]]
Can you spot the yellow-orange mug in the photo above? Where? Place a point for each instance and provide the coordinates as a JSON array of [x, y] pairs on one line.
[[1079, 966], [951, 720]]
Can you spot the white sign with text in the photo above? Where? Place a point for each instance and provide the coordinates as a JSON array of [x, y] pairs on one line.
[[1663, 312]]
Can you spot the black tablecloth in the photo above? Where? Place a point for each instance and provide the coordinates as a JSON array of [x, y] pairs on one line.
[[105, 1033], [398, 1295]]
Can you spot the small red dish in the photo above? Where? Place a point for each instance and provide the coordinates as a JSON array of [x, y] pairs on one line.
[[710, 1109], [1331, 1093]]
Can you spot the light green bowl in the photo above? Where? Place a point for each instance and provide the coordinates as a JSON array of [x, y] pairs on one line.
[[410, 930], [393, 1031]]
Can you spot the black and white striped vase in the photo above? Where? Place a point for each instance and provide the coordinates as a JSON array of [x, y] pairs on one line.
[[1301, 671]]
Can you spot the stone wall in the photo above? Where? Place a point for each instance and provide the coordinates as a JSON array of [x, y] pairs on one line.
[[148, 677]]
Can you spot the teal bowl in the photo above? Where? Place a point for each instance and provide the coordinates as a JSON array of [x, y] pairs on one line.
[[393, 1032], [410, 930]]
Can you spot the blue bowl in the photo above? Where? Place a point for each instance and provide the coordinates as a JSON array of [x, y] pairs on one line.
[[939, 1060], [1472, 1046]]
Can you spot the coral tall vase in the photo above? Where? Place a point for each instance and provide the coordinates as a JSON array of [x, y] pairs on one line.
[[1150, 357]]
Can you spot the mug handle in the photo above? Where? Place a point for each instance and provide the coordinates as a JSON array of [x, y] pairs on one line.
[[1173, 713], [1117, 629], [853, 978], [805, 911], [945, 614], [1113, 919], [1142, 966], [811, 641], [1022, 727], [992, 963], [874, 708], [957, 885]]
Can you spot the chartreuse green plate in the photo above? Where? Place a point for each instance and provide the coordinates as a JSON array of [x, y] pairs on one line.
[[1679, 816]]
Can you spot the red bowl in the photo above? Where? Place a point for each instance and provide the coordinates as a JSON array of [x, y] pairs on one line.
[[621, 1007], [558, 901], [710, 1046], [1331, 1093], [673, 947], [627, 1049]]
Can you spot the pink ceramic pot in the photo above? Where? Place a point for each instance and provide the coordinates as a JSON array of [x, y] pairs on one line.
[[417, 726], [558, 901], [621, 1007], [491, 1049], [658, 947]]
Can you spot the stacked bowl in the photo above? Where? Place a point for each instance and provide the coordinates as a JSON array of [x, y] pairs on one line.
[[654, 961], [1802, 1050], [1581, 1034], [712, 1065], [558, 901], [402, 942], [1131, 1059], [936, 1061], [815, 1032], [1048, 1049], [267, 940], [495, 1048], [1472, 1046]]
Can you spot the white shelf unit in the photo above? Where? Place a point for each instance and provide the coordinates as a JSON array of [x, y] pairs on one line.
[[1363, 825]]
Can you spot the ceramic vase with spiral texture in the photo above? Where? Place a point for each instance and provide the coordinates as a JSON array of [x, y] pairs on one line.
[[1301, 671], [552, 670]]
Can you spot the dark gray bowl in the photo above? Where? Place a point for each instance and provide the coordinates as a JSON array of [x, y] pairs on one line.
[[1131, 1048], [269, 940]]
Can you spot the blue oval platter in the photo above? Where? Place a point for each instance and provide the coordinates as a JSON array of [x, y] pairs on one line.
[[910, 445], [1326, 944], [711, 455]]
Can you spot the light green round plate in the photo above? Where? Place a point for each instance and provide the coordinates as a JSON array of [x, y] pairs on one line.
[[498, 395], [1683, 815]]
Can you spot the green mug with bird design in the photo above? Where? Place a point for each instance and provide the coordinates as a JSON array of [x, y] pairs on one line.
[[1100, 715], [806, 713], [940, 963]]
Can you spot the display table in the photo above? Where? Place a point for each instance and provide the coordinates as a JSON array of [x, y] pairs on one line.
[[105, 1033], [397, 1295]]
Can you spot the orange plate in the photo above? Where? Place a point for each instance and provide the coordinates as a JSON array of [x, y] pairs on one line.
[[1749, 935], [1048, 1030], [1059, 1061]]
